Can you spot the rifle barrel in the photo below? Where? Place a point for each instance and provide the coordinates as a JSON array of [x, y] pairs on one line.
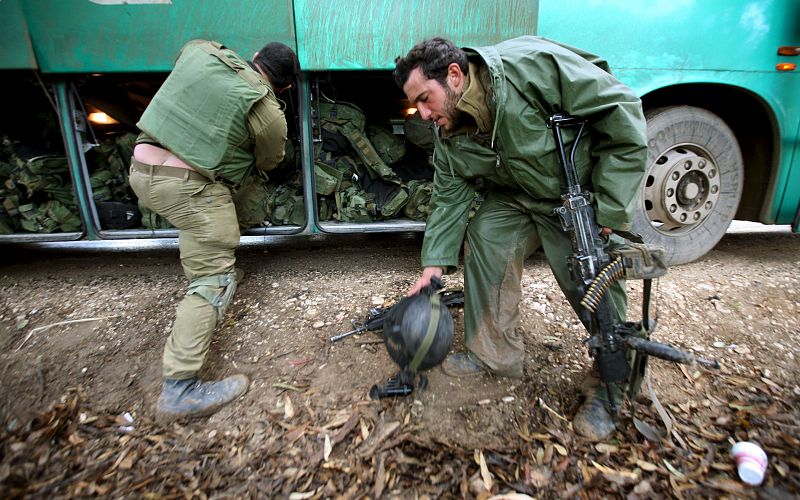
[[347, 334], [666, 351]]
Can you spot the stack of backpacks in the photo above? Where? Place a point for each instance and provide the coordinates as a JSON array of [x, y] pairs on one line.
[[362, 173], [365, 172], [36, 194]]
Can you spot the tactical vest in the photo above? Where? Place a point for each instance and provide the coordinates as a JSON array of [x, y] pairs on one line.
[[209, 85]]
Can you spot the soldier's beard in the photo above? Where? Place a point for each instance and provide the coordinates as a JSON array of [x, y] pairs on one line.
[[450, 110]]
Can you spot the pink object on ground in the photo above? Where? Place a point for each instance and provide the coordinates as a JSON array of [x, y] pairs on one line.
[[751, 462]]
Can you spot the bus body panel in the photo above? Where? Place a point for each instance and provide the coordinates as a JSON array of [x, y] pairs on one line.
[[98, 36], [730, 35], [16, 51], [353, 34]]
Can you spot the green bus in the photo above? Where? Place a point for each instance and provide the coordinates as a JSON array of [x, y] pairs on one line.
[[717, 79]]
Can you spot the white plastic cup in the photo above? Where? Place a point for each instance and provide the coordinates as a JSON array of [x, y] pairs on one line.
[[751, 462]]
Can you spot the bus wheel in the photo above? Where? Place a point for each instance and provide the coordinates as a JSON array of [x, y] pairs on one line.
[[693, 182]]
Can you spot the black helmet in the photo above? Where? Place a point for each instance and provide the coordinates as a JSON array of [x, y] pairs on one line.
[[418, 331]]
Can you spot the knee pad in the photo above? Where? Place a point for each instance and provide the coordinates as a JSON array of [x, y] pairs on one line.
[[206, 288]]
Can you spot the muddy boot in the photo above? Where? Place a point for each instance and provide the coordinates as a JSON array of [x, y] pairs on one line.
[[190, 398], [463, 364], [593, 420]]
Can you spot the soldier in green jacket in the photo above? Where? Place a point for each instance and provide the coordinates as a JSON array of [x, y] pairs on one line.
[[490, 105], [215, 117]]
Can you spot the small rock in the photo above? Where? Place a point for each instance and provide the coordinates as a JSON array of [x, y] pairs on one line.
[[318, 324]]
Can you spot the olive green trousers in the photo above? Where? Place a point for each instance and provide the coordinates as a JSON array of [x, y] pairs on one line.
[[205, 216], [506, 230]]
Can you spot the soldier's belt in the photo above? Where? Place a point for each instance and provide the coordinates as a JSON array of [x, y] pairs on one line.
[[167, 171]]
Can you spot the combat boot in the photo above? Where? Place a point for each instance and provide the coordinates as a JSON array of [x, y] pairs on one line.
[[593, 420], [188, 398], [463, 364]]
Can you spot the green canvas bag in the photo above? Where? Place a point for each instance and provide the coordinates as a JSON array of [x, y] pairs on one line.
[[389, 147], [419, 200]]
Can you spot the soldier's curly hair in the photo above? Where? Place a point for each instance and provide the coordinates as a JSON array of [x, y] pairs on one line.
[[279, 62], [433, 57]]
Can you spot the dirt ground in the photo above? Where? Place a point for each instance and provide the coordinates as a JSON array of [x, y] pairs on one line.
[[81, 336]]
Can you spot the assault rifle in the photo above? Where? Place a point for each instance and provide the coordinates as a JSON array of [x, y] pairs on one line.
[[594, 269], [377, 315]]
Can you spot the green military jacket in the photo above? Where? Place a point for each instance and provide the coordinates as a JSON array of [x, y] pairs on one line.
[[531, 79], [200, 113]]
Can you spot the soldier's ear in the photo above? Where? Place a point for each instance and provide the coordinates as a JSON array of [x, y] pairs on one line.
[[455, 77]]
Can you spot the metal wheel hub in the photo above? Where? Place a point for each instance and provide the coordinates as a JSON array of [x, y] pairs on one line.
[[681, 190]]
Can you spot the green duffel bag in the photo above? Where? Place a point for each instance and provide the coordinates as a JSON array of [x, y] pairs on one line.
[[389, 147], [125, 145], [342, 112], [288, 206], [419, 200], [326, 179], [64, 194], [67, 220], [355, 205], [34, 220], [420, 132], [34, 182], [49, 217], [43, 165], [389, 196], [395, 202], [253, 201], [289, 212], [298, 215]]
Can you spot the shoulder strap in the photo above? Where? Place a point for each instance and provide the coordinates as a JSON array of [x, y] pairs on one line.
[[216, 49]]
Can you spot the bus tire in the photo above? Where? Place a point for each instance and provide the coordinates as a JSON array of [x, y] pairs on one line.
[[693, 182]]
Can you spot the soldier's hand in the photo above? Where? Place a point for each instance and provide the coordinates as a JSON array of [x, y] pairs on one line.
[[425, 279]]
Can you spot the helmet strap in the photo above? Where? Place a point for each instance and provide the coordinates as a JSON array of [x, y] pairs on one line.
[[433, 325]]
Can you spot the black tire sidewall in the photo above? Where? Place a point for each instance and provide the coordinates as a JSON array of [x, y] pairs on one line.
[[670, 126]]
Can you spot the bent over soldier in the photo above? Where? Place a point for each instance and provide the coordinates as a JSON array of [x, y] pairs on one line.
[[214, 118], [490, 105]]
